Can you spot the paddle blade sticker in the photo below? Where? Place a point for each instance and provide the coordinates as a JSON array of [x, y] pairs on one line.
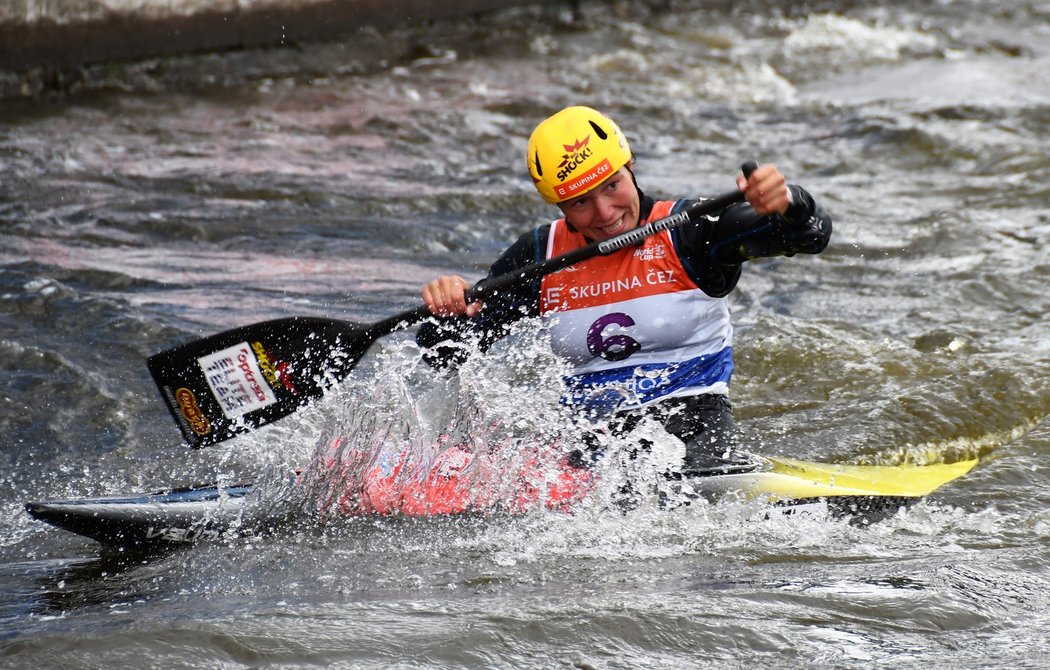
[[236, 380]]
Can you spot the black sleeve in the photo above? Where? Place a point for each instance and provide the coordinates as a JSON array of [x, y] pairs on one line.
[[447, 341], [714, 249]]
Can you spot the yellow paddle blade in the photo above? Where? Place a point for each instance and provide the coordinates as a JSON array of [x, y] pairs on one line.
[[789, 478]]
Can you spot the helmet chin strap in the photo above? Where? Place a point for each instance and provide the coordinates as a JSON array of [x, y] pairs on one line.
[[634, 180]]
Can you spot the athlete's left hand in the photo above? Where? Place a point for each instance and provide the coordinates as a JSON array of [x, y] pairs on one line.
[[766, 190]]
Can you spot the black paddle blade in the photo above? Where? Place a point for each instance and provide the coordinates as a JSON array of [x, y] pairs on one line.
[[250, 376]]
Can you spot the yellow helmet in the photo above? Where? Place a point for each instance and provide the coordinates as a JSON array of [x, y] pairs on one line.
[[573, 151]]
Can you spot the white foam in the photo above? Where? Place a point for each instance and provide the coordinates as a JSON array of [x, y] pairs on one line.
[[855, 39]]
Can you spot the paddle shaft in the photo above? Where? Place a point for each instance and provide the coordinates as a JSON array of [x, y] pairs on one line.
[[493, 285]]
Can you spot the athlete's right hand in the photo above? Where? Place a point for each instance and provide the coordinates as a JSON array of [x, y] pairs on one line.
[[446, 296]]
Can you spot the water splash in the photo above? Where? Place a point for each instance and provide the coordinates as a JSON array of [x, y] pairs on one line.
[[488, 437]]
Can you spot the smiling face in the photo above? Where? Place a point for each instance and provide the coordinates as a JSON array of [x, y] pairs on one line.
[[607, 210]]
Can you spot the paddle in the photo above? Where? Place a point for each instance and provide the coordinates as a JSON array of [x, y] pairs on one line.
[[236, 380]]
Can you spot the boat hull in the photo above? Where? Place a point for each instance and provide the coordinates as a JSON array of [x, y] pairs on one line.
[[183, 516]]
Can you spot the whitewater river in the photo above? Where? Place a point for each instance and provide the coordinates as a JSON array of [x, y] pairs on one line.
[[160, 202]]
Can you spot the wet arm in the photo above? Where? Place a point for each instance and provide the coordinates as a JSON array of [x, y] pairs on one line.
[[716, 249]]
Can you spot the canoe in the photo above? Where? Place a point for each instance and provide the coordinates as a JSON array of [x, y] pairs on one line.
[[186, 515]]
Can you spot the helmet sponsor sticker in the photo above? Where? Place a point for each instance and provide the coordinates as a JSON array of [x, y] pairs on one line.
[[585, 181], [236, 380], [191, 411], [575, 154]]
